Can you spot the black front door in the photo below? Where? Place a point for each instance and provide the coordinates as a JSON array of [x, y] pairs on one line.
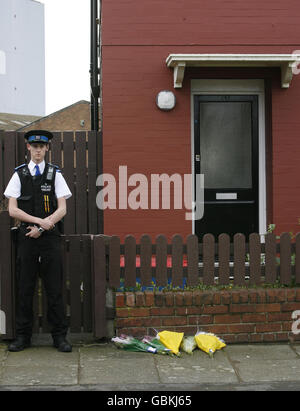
[[226, 152]]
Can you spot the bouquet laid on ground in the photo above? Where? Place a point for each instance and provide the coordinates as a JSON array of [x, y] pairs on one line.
[[155, 343], [148, 344], [171, 340], [209, 342], [128, 343], [188, 344]]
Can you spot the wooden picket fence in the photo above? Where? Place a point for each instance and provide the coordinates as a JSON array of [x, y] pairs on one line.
[[79, 156], [211, 262]]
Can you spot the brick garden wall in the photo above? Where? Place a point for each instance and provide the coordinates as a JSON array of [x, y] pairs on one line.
[[250, 315]]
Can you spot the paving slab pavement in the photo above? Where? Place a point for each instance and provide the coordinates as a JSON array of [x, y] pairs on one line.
[[108, 365], [40, 366], [102, 366], [265, 363]]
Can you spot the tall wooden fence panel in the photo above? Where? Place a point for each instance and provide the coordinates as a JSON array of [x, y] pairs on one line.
[[77, 259], [77, 287], [7, 266], [79, 155]]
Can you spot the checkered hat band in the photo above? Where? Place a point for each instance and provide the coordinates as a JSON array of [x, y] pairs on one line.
[[38, 138]]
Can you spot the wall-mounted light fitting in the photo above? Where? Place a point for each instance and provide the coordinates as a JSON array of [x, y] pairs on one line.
[[166, 100]]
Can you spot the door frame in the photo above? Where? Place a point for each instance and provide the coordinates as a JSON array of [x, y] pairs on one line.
[[237, 87]]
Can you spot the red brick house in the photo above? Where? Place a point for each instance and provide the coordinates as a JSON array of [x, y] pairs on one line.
[[232, 68]]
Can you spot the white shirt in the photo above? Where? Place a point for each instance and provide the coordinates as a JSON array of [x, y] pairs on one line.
[[13, 188]]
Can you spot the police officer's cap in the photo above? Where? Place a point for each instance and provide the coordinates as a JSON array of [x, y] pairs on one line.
[[38, 136]]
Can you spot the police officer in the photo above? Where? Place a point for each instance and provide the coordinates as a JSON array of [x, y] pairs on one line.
[[37, 195]]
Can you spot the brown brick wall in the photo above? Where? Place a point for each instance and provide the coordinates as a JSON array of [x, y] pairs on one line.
[[257, 315]]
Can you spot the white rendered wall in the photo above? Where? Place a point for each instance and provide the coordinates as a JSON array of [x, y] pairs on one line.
[[22, 57]]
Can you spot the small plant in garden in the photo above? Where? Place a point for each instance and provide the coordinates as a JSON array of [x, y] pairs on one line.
[[271, 228], [200, 287]]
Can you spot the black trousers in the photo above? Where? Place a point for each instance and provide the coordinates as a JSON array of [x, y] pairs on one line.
[[47, 250]]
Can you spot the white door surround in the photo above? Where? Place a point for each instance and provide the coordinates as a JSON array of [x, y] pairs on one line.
[[237, 87]]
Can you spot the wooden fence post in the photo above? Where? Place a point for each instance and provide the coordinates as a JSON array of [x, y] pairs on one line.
[[7, 297], [239, 258], [130, 261], [224, 258], [255, 262], [114, 262], [177, 254], [192, 258], [208, 259], [99, 270], [146, 255], [285, 259], [161, 261]]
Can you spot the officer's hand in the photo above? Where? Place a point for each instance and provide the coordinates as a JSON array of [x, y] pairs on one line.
[[33, 233], [46, 224]]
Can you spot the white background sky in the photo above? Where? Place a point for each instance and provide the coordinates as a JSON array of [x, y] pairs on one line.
[[67, 48]]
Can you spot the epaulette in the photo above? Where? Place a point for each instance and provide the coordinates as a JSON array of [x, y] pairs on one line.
[[18, 168], [53, 165]]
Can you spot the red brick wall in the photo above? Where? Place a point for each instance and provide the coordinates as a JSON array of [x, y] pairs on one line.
[[139, 135], [213, 22], [137, 36], [286, 154], [236, 316]]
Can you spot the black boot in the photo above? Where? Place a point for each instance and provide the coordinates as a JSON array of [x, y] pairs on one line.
[[19, 344], [62, 344]]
